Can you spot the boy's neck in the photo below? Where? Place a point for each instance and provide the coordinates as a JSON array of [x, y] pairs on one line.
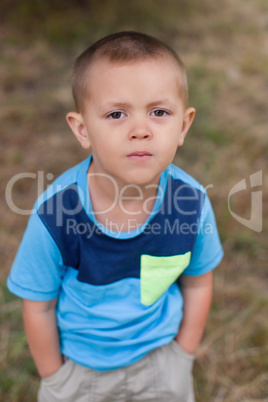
[[119, 203]]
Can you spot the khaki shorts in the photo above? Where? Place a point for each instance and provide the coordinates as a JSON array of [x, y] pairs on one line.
[[165, 374]]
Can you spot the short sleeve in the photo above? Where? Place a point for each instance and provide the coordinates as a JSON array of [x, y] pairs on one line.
[[37, 270], [207, 252]]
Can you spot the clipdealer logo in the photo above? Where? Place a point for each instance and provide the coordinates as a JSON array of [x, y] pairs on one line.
[[255, 220]]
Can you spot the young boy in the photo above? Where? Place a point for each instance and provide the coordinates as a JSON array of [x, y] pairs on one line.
[[115, 266]]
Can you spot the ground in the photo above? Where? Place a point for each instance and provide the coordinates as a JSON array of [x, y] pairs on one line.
[[225, 49]]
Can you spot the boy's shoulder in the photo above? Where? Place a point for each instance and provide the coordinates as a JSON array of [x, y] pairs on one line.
[[178, 174], [62, 182]]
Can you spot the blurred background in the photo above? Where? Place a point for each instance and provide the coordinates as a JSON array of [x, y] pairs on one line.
[[224, 46]]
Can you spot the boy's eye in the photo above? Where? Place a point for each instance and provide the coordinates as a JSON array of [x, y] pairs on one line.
[[116, 115], [160, 113]]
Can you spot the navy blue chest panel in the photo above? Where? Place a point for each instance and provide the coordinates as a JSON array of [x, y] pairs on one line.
[[101, 259]]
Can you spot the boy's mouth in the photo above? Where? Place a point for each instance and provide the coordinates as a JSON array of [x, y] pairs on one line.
[[139, 155]]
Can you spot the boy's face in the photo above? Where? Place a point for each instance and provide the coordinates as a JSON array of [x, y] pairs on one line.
[[133, 119]]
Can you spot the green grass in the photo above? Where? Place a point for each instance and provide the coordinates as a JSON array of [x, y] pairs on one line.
[[223, 49]]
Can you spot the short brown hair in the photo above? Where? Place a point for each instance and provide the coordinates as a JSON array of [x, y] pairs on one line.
[[127, 46]]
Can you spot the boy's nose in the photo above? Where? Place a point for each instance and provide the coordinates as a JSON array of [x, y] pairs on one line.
[[140, 132]]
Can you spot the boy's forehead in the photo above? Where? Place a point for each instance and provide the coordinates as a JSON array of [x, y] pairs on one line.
[[159, 77], [105, 70], [104, 64]]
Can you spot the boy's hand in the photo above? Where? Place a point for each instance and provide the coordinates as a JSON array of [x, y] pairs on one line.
[[42, 334], [197, 294]]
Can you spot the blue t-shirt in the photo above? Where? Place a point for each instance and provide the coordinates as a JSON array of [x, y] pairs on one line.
[[118, 292]]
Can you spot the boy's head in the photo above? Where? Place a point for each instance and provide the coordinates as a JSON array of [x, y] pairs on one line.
[[122, 48], [131, 95]]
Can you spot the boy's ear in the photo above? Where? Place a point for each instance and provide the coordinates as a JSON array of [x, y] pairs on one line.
[[76, 122], [187, 121]]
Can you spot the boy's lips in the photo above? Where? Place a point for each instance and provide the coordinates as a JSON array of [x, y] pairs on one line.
[[139, 155]]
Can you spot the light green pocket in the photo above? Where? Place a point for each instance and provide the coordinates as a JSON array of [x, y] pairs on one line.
[[158, 273]]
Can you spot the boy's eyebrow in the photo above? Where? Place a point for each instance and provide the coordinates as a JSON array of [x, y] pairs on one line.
[[117, 104], [160, 102]]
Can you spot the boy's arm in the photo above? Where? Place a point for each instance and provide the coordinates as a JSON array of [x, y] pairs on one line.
[[197, 294], [42, 334]]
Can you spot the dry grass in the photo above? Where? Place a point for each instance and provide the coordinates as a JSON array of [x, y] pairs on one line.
[[225, 47]]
